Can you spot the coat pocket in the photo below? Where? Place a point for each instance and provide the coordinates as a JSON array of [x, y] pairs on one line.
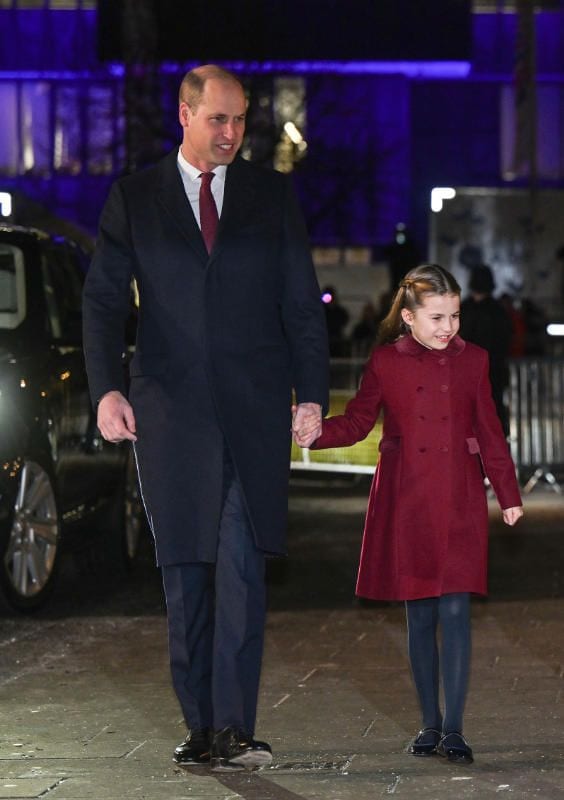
[[473, 446]]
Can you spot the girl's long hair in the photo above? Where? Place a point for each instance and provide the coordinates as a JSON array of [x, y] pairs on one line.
[[416, 285]]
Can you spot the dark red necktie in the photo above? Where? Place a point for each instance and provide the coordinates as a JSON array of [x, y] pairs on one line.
[[208, 210]]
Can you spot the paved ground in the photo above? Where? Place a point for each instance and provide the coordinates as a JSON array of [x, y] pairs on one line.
[[87, 710]]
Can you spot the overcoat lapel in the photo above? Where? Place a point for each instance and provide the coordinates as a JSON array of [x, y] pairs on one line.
[[238, 200], [172, 197]]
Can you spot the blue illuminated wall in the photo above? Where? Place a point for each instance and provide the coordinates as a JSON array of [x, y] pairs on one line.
[[380, 136], [355, 182], [46, 39]]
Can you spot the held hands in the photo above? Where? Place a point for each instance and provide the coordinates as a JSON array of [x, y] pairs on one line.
[[115, 418], [512, 515], [306, 423]]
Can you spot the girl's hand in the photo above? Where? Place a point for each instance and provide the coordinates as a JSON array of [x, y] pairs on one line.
[[511, 515]]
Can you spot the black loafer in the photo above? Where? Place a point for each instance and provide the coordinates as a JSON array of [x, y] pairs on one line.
[[195, 749], [235, 750], [425, 743], [455, 748]]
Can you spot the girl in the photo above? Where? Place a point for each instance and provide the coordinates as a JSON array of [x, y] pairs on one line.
[[425, 536]]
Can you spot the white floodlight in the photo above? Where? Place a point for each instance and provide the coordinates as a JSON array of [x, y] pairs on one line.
[[440, 193]]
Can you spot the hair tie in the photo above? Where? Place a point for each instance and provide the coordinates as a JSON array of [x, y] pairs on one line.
[[406, 283]]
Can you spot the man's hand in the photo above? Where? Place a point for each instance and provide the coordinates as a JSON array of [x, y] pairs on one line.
[[306, 423], [511, 515], [115, 418]]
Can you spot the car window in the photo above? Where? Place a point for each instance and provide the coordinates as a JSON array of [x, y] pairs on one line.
[[12, 287], [62, 281]]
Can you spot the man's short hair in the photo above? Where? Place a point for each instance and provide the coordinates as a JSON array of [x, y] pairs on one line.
[[193, 83]]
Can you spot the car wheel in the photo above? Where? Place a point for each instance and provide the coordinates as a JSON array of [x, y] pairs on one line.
[[29, 560]]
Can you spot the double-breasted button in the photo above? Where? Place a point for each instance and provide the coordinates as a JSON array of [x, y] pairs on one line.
[[419, 389], [422, 449], [442, 361], [444, 388], [421, 417], [443, 449], [444, 418]]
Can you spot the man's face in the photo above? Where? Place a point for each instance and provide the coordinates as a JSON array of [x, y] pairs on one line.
[[213, 132]]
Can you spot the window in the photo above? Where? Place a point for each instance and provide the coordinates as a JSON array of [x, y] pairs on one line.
[[12, 287], [546, 116], [62, 282], [58, 5]]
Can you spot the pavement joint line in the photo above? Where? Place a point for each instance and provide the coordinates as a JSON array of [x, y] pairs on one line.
[[309, 674], [282, 700], [368, 728], [138, 747], [88, 739]]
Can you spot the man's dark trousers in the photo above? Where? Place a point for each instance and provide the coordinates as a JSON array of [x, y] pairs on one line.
[[216, 615]]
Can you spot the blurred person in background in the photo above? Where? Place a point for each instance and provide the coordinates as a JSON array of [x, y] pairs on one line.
[[485, 322]]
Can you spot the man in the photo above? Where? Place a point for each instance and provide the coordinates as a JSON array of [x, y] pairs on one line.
[[229, 321]]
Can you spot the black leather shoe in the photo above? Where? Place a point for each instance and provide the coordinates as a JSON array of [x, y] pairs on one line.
[[425, 743], [233, 750], [195, 749], [455, 747]]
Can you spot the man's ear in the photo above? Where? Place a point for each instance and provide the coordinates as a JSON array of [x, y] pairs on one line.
[[184, 114]]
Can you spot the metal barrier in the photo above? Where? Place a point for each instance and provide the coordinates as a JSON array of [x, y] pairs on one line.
[[536, 423]]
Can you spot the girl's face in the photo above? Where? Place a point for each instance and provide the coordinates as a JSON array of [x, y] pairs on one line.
[[435, 322]]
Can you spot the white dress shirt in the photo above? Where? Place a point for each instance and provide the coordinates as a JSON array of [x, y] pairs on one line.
[[191, 179]]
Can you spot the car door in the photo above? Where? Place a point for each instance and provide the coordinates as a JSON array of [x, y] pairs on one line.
[[87, 467]]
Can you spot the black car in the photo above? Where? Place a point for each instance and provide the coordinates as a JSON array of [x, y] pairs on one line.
[[61, 484]]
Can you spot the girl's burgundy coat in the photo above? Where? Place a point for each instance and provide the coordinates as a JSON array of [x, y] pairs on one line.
[[426, 526]]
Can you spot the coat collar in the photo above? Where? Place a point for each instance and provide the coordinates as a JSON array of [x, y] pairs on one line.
[[407, 345]]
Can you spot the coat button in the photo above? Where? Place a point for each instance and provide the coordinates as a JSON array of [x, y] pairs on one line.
[[442, 361], [422, 449], [419, 388], [421, 417], [443, 449], [444, 419], [444, 388]]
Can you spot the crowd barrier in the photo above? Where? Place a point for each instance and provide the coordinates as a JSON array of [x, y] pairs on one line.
[[536, 423]]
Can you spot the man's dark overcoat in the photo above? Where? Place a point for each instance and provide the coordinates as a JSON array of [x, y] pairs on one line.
[[426, 530], [221, 341]]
